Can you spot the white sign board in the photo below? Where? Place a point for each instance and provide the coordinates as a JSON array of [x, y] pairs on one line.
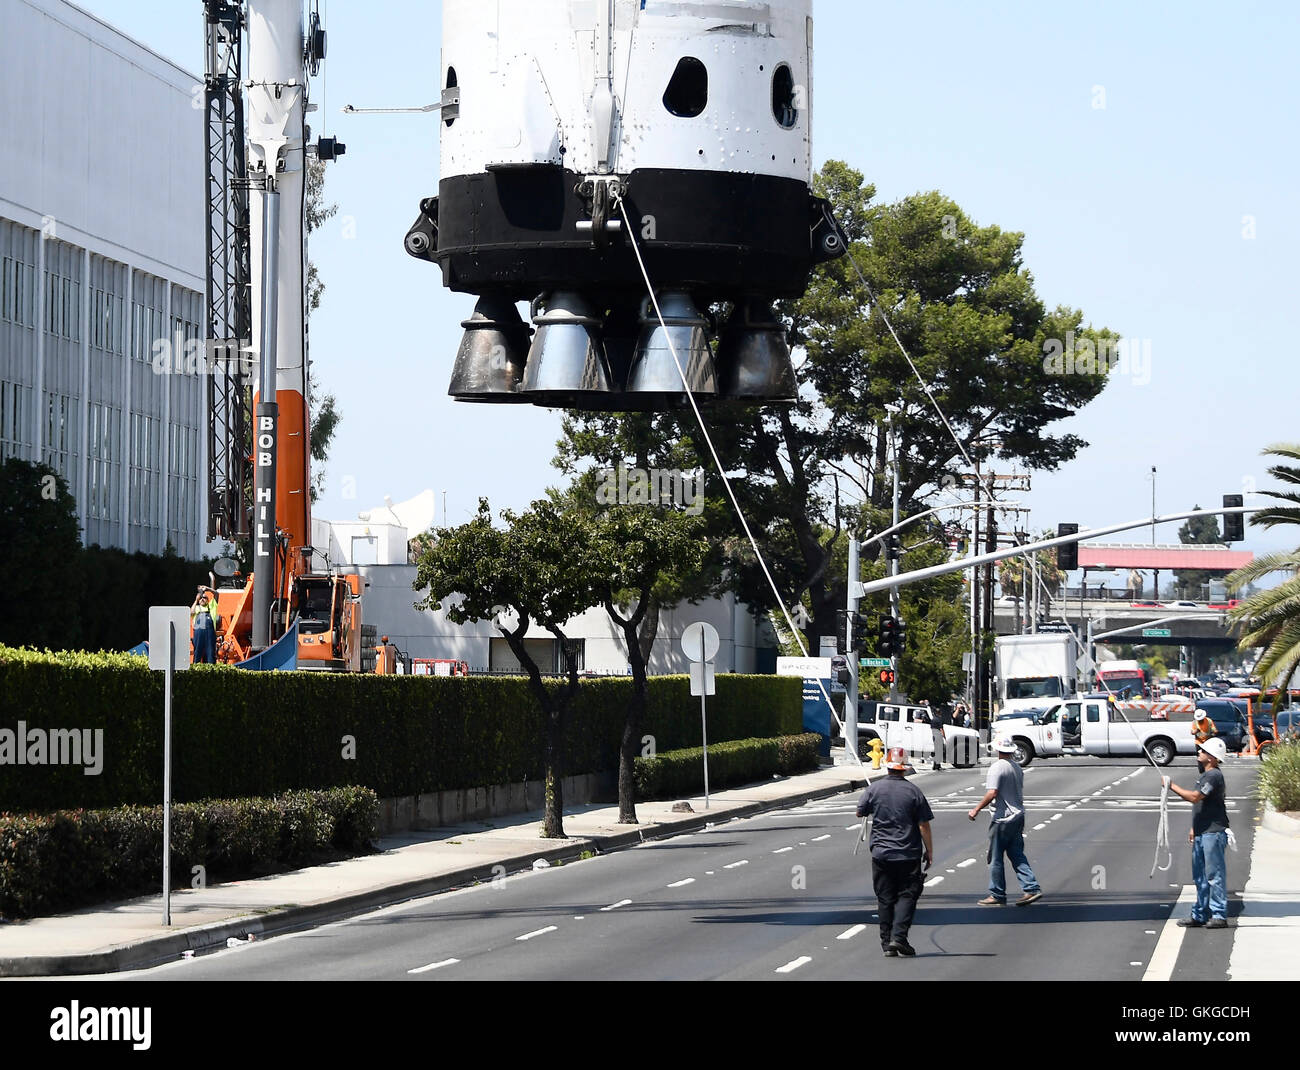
[[700, 642], [809, 668], [829, 646], [703, 680], [159, 618]]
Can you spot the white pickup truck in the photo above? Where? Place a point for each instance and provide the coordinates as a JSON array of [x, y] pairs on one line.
[[1094, 724], [898, 725]]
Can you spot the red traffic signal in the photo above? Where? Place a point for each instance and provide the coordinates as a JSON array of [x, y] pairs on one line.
[[886, 676]]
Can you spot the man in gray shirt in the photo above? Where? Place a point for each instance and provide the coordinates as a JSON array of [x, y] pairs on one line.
[[1006, 790], [1208, 836]]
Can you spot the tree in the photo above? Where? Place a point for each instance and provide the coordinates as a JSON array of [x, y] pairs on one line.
[[534, 570], [650, 556], [325, 416], [1271, 618], [1198, 531], [963, 304], [42, 543]]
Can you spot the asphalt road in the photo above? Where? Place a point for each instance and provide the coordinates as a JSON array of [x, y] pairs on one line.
[[781, 896]]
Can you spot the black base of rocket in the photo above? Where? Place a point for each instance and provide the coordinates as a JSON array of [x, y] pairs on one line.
[[723, 236]]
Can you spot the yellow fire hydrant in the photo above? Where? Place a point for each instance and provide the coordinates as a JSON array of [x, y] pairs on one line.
[[877, 750]]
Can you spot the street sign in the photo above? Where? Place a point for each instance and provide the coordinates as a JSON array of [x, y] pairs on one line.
[[159, 618], [875, 663], [1085, 664], [830, 646], [700, 641], [1156, 633], [169, 652], [703, 680]]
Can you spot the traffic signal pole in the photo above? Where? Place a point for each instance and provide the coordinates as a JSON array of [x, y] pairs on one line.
[[851, 691], [906, 578]]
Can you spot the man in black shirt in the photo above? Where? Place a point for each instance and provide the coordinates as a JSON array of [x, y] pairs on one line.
[[900, 840], [1208, 837]]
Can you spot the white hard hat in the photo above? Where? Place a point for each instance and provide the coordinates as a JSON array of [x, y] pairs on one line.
[[1200, 715], [1004, 745], [1215, 748]]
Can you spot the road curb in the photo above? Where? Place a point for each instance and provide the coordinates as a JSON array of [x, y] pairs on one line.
[[1283, 824], [199, 939]]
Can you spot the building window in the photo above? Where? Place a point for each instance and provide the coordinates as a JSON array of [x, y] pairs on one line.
[[60, 432], [688, 89], [12, 403], [17, 292]]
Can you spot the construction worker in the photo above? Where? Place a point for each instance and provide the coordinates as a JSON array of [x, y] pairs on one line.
[[204, 615], [1203, 728], [1208, 837], [1006, 788], [901, 850]]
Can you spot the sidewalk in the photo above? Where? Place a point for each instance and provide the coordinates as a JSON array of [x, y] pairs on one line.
[[130, 934]]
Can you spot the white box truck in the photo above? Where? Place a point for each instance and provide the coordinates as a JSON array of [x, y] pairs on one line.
[[1034, 670]]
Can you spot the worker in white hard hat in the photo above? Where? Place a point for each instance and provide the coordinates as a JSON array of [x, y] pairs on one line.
[[1005, 789], [901, 850], [1203, 728], [1208, 837]]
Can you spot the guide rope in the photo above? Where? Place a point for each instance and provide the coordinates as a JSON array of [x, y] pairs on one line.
[[1162, 834]]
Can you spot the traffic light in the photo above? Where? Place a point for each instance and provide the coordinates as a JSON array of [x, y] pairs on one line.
[[893, 546], [900, 636], [1234, 524], [1067, 556], [887, 640], [887, 676]]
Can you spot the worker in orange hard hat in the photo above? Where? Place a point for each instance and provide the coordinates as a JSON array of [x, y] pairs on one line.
[[901, 850]]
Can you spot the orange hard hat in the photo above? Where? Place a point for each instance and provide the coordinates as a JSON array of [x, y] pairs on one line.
[[897, 758]]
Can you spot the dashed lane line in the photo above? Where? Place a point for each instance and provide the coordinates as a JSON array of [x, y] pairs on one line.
[[682, 883], [851, 932], [782, 850], [615, 906], [965, 862], [818, 839], [541, 932], [934, 880], [1040, 825], [435, 965], [790, 967], [733, 865]]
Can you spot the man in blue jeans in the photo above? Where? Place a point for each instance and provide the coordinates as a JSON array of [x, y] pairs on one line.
[[1208, 836], [1006, 790]]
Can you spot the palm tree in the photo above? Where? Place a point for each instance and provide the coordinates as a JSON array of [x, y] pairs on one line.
[[1271, 618]]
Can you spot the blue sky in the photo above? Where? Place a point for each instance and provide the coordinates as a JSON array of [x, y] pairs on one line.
[[1135, 212]]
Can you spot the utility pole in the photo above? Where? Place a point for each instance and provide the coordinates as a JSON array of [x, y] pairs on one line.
[[894, 562], [851, 692]]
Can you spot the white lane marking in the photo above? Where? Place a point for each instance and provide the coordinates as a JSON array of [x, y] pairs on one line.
[[1149, 932], [950, 794], [1096, 793], [579, 917], [1056, 817], [1040, 825], [1135, 964], [1117, 783], [708, 873], [537, 932], [851, 932], [682, 883], [733, 865], [818, 839], [782, 850], [952, 871], [852, 828], [615, 906], [966, 862], [434, 966], [934, 880], [1165, 956], [1073, 806], [790, 967]]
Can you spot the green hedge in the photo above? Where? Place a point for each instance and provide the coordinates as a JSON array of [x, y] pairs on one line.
[[68, 859], [1279, 776], [239, 734], [739, 761]]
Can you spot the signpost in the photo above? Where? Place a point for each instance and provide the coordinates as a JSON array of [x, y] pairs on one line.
[[169, 627], [875, 663], [700, 643]]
